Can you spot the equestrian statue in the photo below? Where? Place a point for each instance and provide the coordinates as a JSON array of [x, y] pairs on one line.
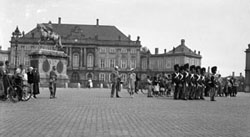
[[47, 34]]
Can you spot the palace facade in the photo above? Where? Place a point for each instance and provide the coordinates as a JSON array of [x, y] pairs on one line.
[[94, 50]]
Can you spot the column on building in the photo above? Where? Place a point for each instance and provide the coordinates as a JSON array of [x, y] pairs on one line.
[[85, 57], [81, 56]]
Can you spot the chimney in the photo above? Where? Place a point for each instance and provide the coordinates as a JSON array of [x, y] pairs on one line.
[[32, 34], [173, 49], [182, 41], [233, 74], [59, 20], [129, 37], [199, 52], [195, 51], [165, 51], [23, 33], [240, 74], [156, 51], [0, 47], [97, 22]]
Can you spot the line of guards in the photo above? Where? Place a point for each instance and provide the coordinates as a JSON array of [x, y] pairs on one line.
[[188, 83]]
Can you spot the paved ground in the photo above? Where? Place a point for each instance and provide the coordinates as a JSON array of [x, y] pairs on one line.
[[88, 113]]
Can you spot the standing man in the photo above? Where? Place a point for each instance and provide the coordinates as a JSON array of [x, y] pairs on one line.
[[5, 80], [52, 82], [186, 82], [115, 83], [30, 79], [131, 82], [203, 81], [175, 81], [36, 80], [213, 83]]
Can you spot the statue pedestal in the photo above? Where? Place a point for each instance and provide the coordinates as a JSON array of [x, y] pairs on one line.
[[44, 60]]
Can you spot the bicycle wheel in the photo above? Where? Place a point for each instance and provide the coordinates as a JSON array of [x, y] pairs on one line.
[[12, 94], [26, 93]]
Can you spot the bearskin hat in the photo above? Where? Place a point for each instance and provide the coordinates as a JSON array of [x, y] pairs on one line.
[[182, 68], [186, 66], [176, 66], [197, 68], [203, 70], [214, 69], [192, 67]]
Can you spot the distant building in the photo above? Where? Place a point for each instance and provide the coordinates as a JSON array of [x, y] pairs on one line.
[[4, 54], [155, 64]]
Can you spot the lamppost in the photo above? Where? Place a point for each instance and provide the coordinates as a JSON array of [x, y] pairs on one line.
[[15, 36]]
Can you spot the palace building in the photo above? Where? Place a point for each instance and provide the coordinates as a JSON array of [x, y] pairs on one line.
[[94, 50]]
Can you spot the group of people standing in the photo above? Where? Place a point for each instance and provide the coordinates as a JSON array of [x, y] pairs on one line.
[[21, 76], [190, 82]]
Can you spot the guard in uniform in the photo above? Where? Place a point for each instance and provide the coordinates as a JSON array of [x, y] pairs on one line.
[[186, 82], [198, 82], [213, 83], [192, 82], [181, 82], [175, 81], [203, 82]]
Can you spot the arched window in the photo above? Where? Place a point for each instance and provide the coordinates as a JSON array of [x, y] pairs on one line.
[[75, 77], [90, 76], [102, 77], [90, 60], [75, 60]]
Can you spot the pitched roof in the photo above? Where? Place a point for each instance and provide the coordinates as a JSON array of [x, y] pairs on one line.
[[77, 31], [183, 49]]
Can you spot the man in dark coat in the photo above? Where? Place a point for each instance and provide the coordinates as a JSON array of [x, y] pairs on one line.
[[213, 83], [36, 81], [175, 81], [115, 82], [30, 79], [5, 80], [52, 82]]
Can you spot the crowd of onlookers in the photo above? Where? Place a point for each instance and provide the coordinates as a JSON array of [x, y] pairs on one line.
[[20, 76]]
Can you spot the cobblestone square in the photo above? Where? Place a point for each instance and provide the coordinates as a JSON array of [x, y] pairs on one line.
[[92, 113]]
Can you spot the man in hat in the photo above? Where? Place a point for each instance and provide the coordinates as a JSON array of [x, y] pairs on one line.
[[192, 82], [175, 81], [198, 82], [186, 81], [115, 81], [213, 83], [52, 82], [131, 82], [203, 83]]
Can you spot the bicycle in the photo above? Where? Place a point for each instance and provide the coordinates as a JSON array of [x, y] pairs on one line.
[[14, 88]]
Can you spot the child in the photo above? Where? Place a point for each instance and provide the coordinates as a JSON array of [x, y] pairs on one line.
[[149, 85]]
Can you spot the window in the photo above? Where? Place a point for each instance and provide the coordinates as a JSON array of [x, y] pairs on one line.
[[75, 60], [123, 63], [123, 50], [133, 63], [112, 50], [102, 63], [112, 63], [144, 63], [106, 63], [102, 77], [168, 64], [75, 77], [90, 60], [177, 60], [133, 51], [102, 50]]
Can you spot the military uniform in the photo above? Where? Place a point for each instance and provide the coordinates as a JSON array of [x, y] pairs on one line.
[[213, 83], [192, 82], [175, 81], [186, 77]]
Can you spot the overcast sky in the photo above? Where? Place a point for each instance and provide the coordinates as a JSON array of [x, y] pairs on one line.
[[219, 29]]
